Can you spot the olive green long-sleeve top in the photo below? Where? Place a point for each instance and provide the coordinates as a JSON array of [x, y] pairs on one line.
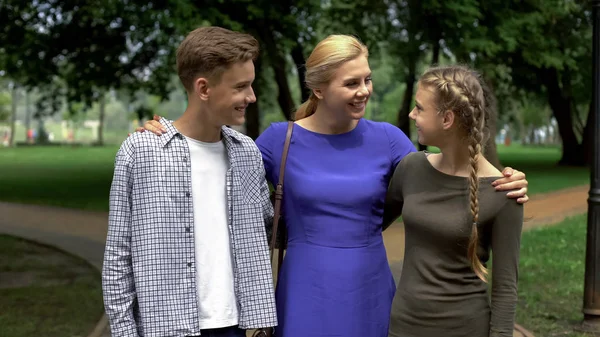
[[438, 293]]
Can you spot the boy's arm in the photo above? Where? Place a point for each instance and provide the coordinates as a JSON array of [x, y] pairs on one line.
[[117, 271], [267, 208]]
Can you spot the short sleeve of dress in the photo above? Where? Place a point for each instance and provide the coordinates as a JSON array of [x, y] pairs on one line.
[[400, 144], [267, 143]]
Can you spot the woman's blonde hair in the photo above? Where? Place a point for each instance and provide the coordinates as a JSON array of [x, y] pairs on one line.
[[463, 91], [321, 65]]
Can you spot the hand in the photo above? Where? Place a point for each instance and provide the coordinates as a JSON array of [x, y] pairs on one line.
[[153, 125], [513, 180], [264, 332]]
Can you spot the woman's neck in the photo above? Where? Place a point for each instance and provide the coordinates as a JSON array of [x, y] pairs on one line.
[[326, 122]]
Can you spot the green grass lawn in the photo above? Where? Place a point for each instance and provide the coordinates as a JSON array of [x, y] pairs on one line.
[[539, 164], [80, 177], [551, 278], [45, 292], [77, 177]]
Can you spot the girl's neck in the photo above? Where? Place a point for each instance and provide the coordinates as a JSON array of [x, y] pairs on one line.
[[453, 160]]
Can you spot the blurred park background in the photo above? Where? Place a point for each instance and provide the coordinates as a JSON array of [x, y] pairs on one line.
[[77, 76]]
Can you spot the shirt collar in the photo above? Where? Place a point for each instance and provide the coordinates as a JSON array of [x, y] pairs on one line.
[[228, 134]]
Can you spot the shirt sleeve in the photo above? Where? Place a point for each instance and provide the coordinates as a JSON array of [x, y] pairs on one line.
[[265, 195], [400, 144], [506, 246], [117, 271]]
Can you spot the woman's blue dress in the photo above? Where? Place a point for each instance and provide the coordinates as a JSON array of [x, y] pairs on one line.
[[335, 279]]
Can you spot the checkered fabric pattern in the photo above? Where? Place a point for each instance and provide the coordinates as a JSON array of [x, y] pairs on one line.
[[148, 276]]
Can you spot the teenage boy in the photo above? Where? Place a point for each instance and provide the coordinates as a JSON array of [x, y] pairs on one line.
[[186, 251]]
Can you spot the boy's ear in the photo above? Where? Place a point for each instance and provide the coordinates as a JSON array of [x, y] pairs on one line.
[[202, 88]]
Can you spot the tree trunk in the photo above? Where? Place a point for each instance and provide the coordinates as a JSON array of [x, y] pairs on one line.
[[253, 121], [403, 120], [572, 151], [252, 112], [100, 140], [284, 97], [522, 130], [531, 135], [13, 114], [27, 117], [278, 62], [140, 117], [490, 151], [298, 57], [435, 57]]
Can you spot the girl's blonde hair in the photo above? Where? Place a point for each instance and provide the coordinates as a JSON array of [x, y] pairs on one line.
[[325, 59], [463, 91]]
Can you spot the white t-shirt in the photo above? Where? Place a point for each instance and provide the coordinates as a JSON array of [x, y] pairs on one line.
[[214, 262]]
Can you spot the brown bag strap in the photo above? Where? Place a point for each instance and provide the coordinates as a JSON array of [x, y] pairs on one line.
[[279, 196]]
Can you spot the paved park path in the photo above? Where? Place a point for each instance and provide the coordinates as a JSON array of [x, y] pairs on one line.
[[83, 233]]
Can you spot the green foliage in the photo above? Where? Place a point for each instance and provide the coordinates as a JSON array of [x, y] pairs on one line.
[[366, 19], [531, 37], [90, 46], [527, 49]]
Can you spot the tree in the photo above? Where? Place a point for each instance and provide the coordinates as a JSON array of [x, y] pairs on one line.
[[102, 103], [5, 105], [90, 46], [8, 107], [277, 26], [392, 27], [547, 46], [96, 46]]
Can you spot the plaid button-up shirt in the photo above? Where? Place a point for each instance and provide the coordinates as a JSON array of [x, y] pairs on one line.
[[149, 272]]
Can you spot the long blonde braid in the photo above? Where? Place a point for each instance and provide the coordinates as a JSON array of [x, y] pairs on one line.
[[460, 90]]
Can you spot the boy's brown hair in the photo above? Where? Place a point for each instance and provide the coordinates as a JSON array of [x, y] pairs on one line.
[[209, 51]]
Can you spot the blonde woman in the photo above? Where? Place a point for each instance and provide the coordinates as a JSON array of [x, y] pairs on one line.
[[335, 279], [443, 290]]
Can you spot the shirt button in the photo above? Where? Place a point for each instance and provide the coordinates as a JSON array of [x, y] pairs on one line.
[[189, 264], [184, 158], [187, 194], [187, 229]]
